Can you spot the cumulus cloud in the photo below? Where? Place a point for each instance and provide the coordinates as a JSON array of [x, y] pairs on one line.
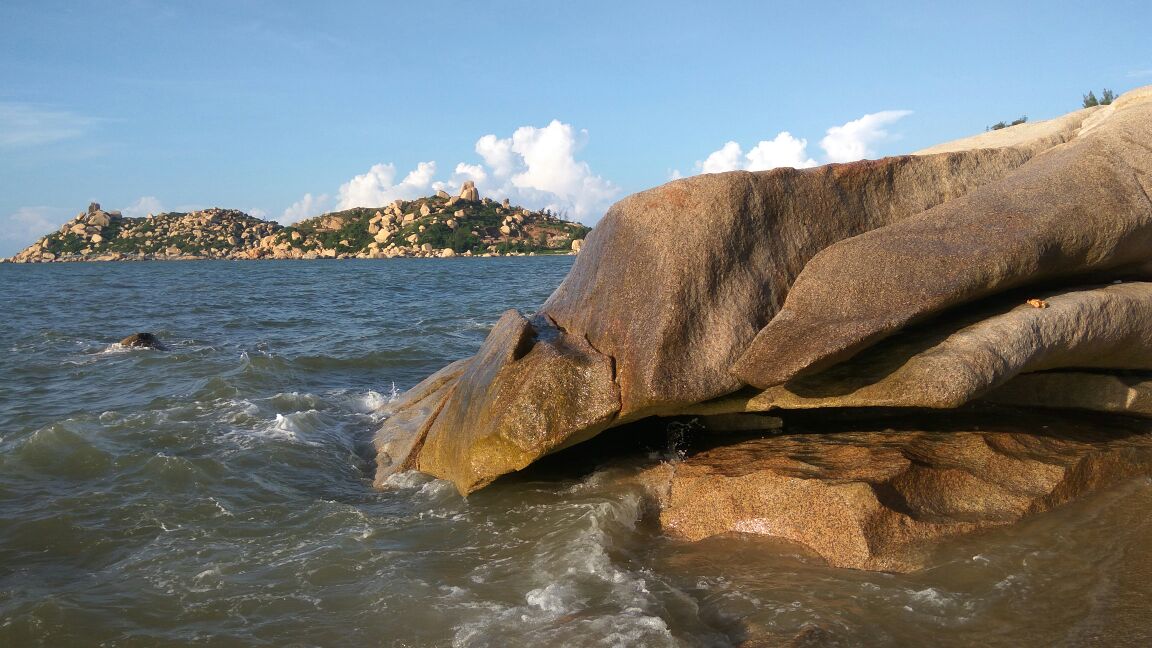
[[851, 141], [855, 140], [143, 206], [24, 125], [783, 150], [306, 207], [728, 158], [378, 186], [19, 229], [497, 154], [537, 167]]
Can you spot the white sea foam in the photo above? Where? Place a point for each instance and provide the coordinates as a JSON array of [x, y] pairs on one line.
[[423, 487], [293, 425], [572, 574]]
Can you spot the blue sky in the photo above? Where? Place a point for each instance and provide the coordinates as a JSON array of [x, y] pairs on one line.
[[284, 109]]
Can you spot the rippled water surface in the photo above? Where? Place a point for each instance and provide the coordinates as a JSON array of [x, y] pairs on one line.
[[218, 493]]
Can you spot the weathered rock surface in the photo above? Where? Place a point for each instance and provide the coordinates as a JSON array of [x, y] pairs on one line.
[[709, 286], [878, 499], [1127, 393], [1026, 229], [954, 360], [496, 412]]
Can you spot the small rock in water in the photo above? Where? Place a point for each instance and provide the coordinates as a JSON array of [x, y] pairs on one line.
[[143, 341]]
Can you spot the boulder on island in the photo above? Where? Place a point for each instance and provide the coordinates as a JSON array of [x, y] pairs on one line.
[[907, 281]]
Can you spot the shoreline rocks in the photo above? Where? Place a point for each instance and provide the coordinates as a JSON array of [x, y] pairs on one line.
[[876, 497], [907, 281], [1011, 268]]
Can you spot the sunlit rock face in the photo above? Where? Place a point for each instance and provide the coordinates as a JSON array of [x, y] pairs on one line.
[[880, 497], [926, 280]]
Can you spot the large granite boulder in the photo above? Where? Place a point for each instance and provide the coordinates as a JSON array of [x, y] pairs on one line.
[[1078, 211], [707, 291]]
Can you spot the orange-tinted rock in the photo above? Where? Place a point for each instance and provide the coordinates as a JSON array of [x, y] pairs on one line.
[[516, 400], [877, 499]]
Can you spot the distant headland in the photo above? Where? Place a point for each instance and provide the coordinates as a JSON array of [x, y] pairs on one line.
[[437, 226]]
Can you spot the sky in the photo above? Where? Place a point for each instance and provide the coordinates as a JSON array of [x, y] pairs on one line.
[[289, 109]]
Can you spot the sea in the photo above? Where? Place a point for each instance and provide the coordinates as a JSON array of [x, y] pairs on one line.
[[219, 492]]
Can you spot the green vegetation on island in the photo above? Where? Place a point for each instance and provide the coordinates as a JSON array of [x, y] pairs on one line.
[[1106, 97]]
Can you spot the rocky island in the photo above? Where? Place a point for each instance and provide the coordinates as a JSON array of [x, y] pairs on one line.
[[893, 316], [434, 226]]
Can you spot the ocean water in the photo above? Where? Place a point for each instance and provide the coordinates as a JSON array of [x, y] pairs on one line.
[[219, 493]]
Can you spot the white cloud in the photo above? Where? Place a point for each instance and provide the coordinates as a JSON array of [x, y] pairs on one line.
[[377, 187], [497, 154], [306, 207], [21, 228], [25, 125], [851, 141], [143, 206], [727, 158], [537, 167], [854, 140], [256, 212], [782, 151]]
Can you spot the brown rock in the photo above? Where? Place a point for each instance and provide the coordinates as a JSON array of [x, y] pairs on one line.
[[931, 231], [879, 499], [1029, 230], [675, 340], [98, 219], [468, 191], [471, 427], [142, 340], [948, 363], [1122, 394], [333, 222]]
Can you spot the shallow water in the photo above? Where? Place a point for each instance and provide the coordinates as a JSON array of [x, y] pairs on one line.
[[219, 493]]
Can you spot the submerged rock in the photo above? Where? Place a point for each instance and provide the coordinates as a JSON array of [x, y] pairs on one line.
[[759, 291], [142, 341]]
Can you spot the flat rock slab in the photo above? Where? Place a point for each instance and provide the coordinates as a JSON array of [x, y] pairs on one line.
[[876, 499]]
